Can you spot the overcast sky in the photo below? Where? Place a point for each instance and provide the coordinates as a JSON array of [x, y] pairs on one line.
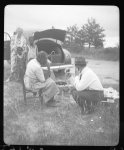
[[31, 17]]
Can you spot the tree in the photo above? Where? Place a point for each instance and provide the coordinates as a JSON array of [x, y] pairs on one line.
[[53, 27], [81, 37], [98, 43], [72, 31], [93, 33]]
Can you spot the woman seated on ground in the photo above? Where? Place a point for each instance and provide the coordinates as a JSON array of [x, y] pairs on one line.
[[35, 80], [32, 49]]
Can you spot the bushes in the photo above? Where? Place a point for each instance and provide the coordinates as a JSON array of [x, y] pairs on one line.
[[74, 48], [111, 50], [110, 53]]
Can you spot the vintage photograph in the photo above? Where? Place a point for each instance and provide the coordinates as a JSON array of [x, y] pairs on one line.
[[61, 75]]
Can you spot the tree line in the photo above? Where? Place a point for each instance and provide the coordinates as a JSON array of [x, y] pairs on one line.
[[90, 33]]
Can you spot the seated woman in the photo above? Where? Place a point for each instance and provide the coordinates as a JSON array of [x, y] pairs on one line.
[[35, 81]]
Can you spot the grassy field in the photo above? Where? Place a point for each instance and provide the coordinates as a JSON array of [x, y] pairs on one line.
[[62, 125]]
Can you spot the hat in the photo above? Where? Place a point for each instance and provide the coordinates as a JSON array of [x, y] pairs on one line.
[[80, 61]]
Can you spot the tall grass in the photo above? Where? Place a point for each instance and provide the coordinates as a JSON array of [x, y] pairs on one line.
[[62, 125]]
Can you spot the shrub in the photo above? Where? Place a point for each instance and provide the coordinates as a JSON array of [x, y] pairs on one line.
[[110, 53], [74, 48], [111, 50]]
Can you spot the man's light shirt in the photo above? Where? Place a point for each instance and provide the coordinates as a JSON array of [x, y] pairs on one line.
[[87, 79]]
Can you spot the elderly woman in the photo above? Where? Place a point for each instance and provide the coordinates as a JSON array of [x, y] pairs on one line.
[[35, 80], [18, 52]]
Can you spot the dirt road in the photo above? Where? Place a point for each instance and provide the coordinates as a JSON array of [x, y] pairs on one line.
[[108, 71]]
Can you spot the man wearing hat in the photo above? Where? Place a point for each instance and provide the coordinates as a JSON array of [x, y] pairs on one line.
[[88, 90]]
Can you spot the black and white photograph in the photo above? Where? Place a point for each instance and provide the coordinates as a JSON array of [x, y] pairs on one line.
[[61, 75]]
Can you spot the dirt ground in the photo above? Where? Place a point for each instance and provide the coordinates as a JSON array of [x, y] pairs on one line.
[[62, 125]]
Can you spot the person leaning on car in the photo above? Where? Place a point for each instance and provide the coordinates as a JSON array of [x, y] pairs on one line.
[[34, 78], [87, 89], [32, 49]]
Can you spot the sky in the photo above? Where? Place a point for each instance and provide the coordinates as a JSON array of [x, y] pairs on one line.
[[42, 17]]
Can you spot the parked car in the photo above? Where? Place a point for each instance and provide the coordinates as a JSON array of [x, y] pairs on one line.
[[7, 39], [50, 42]]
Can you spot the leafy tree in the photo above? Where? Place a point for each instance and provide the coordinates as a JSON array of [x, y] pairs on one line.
[[93, 33], [53, 27], [98, 43], [81, 37], [72, 31]]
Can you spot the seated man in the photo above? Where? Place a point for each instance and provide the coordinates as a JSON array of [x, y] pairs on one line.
[[34, 78], [88, 90]]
